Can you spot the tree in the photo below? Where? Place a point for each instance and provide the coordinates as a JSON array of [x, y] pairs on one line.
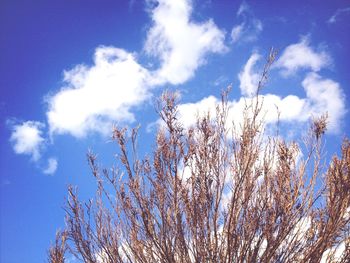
[[214, 193]]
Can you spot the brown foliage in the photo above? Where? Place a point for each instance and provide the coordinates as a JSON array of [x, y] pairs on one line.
[[57, 251], [211, 194]]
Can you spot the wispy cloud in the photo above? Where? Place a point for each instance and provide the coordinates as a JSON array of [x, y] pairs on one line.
[[27, 139], [250, 27], [243, 8], [334, 18], [302, 56], [248, 77], [51, 168], [5, 182], [221, 80]]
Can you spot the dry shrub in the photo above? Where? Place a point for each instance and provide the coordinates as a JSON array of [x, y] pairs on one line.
[[210, 194]]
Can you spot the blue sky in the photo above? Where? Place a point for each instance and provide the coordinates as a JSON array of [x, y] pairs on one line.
[[69, 70]]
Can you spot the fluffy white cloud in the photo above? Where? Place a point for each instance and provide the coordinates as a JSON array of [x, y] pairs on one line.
[[51, 166], [291, 108], [179, 43], [250, 27], [248, 77], [321, 95], [94, 97], [301, 56], [27, 139], [188, 112], [325, 95]]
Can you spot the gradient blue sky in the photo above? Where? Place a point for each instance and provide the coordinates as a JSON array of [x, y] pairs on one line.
[[71, 69]]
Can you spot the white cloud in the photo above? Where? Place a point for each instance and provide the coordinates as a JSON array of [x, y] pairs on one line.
[[321, 95], [94, 97], [292, 109], [51, 166], [335, 253], [250, 27], [237, 32], [243, 8], [188, 112], [179, 43], [333, 19], [301, 56], [248, 77], [325, 95], [27, 139], [221, 80]]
